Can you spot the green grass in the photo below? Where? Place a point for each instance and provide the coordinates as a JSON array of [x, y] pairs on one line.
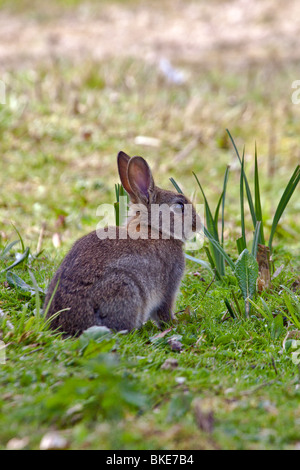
[[238, 368], [60, 134]]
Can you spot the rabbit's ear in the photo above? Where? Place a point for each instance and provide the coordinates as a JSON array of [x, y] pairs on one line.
[[140, 178], [123, 160]]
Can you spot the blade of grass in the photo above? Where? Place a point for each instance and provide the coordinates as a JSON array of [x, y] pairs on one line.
[[267, 309], [37, 297], [211, 226], [212, 263], [288, 192], [120, 193], [16, 282], [291, 315], [256, 239], [215, 243], [176, 186], [236, 303], [258, 211], [19, 235], [213, 231], [240, 243], [246, 273], [229, 308], [117, 191], [223, 202], [19, 261], [216, 216], [210, 258], [291, 309], [117, 213], [47, 322], [117, 205], [123, 192], [248, 191], [20, 321], [219, 249], [262, 311], [7, 249], [199, 261], [50, 301], [242, 202], [292, 294]]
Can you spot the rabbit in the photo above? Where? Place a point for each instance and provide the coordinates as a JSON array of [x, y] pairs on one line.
[[121, 283]]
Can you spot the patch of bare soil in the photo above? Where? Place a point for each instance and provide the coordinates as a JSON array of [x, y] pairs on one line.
[[197, 31]]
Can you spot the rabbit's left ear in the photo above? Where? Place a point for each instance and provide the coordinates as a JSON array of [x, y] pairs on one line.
[[123, 160], [140, 178]]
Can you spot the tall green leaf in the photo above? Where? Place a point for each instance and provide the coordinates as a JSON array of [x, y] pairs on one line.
[[264, 311], [255, 239], [229, 308], [219, 248], [212, 263], [22, 258], [246, 272], [210, 221], [248, 191], [288, 192], [204, 264], [293, 310], [16, 282], [212, 228], [258, 211], [37, 296], [19, 235], [219, 254], [242, 177], [7, 248], [216, 216], [120, 191], [176, 186], [223, 202], [241, 246]]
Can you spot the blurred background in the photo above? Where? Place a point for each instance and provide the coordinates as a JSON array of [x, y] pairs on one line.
[[162, 79]]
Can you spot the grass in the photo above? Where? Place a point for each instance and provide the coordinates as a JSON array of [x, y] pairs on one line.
[[237, 368], [60, 134]]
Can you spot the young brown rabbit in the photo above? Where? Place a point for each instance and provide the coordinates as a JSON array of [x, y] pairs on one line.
[[120, 283]]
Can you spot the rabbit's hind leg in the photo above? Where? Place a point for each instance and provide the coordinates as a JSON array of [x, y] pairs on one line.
[[163, 314], [118, 305], [116, 320]]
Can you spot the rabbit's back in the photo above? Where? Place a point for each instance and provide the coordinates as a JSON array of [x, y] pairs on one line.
[[114, 282]]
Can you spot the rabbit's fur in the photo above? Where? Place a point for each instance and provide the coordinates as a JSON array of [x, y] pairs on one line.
[[121, 283]]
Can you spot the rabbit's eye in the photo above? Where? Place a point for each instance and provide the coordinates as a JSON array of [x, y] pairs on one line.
[[178, 207]]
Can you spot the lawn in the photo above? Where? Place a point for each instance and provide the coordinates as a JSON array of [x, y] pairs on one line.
[[212, 381]]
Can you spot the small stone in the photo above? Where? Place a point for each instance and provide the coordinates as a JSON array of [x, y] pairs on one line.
[[175, 344], [53, 441], [170, 364], [17, 444], [180, 380]]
